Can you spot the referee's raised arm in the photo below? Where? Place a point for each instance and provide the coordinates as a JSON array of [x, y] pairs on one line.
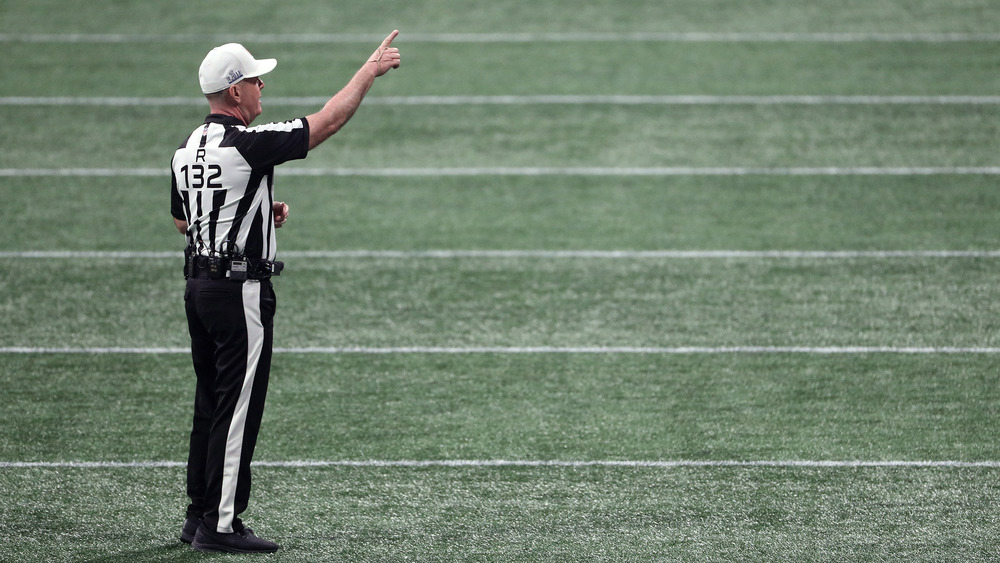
[[339, 109]]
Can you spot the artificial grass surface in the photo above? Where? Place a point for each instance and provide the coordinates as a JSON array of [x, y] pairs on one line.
[[761, 136], [920, 425], [524, 302], [765, 212], [514, 514]]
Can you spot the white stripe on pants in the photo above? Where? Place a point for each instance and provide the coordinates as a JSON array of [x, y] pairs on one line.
[[234, 443]]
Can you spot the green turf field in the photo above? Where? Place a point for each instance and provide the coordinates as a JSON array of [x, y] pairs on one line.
[[630, 280]]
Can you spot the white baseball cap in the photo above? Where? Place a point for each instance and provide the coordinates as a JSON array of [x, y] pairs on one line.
[[228, 64]]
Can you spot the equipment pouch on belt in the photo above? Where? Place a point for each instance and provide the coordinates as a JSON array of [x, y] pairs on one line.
[[237, 270], [189, 255]]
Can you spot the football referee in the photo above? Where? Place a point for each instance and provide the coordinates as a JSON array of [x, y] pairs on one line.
[[222, 200]]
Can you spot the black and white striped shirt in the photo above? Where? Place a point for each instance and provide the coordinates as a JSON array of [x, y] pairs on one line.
[[223, 183]]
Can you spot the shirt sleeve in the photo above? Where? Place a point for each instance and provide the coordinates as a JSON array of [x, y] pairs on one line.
[[176, 203], [271, 144]]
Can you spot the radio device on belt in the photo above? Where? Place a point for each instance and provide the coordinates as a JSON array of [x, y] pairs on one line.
[[219, 267], [237, 270]]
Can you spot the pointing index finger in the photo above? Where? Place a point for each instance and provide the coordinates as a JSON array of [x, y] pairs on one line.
[[388, 40]]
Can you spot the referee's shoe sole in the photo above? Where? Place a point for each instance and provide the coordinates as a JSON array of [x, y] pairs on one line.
[[243, 541]]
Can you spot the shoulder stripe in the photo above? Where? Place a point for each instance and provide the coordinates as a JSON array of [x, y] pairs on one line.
[[280, 126]]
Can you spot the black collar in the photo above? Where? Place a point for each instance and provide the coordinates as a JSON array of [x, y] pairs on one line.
[[223, 119]]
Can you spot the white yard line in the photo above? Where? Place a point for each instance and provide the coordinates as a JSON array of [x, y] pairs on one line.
[[596, 350], [523, 37], [556, 254], [522, 100], [588, 171], [487, 463], [643, 254]]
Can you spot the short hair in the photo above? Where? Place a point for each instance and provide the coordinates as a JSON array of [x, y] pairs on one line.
[[217, 97]]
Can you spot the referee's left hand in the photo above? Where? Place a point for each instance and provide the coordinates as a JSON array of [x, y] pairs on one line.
[[280, 210], [386, 57]]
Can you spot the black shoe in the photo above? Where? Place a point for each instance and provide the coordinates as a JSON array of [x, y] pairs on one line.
[[189, 529], [243, 541]]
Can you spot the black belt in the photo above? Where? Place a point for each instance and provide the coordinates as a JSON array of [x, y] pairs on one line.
[[217, 268]]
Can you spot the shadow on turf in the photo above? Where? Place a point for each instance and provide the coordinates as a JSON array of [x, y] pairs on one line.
[[173, 551]]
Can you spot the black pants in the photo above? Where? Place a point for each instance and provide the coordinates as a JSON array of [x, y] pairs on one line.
[[231, 326]]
